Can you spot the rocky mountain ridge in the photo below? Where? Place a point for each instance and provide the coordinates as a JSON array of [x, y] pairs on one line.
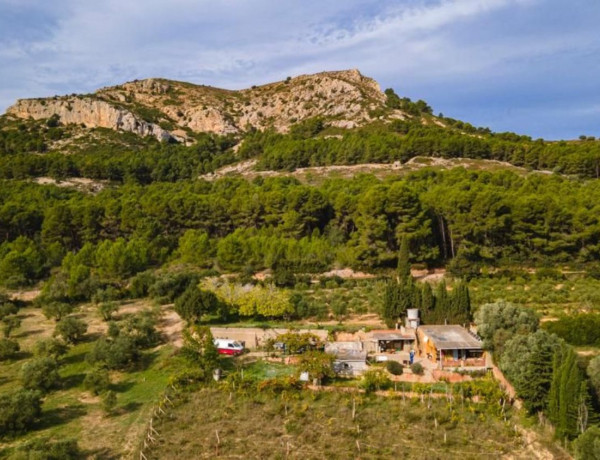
[[170, 109]]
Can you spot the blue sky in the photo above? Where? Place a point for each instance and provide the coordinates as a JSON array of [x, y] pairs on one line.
[[529, 66]]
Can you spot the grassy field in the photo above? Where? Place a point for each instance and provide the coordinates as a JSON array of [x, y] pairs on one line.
[[549, 297], [212, 423], [70, 411]]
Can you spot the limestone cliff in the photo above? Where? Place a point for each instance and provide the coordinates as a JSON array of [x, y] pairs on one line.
[[87, 111], [166, 109]]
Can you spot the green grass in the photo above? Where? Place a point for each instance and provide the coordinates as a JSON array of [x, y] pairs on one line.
[[261, 370], [70, 411]]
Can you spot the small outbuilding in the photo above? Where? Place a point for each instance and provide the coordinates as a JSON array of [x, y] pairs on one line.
[[451, 346], [393, 340], [350, 358]]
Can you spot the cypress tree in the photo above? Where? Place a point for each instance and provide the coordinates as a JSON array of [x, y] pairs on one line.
[[427, 303], [442, 303], [406, 296], [460, 310], [568, 403], [404, 262], [391, 299]]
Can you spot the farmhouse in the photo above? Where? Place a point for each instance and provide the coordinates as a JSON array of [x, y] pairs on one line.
[[450, 346]]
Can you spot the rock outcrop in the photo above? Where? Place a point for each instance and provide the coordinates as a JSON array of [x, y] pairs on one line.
[[170, 109], [93, 113]]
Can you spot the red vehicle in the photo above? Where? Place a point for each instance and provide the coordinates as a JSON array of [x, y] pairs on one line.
[[229, 347]]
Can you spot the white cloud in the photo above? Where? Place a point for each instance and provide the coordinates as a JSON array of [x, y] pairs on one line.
[[236, 43]]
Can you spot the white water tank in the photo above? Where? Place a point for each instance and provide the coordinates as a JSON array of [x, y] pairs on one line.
[[412, 318]]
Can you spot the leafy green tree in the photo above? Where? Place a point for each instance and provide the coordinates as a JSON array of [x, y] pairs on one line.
[[57, 310], [318, 364], [141, 328], [195, 303], [140, 284], [587, 445], [50, 348], [97, 381], [298, 342], [19, 410], [122, 258], [7, 308], [593, 372], [284, 278], [231, 253], [497, 322], [11, 323], [199, 347], [117, 353], [527, 362], [40, 374], [8, 349], [109, 402], [21, 262], [374, 380], [195, 248], [107, 309], [70, 329]]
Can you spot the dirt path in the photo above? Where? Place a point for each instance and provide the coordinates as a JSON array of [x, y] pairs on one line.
[[247, 168], [171, 326]]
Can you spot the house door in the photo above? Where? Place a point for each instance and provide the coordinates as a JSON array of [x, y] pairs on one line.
[[455, 353]]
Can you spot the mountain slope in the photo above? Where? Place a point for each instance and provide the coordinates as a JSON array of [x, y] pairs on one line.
[[165, 109]]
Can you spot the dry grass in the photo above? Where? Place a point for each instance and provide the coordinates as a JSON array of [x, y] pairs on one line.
[[320, 425]]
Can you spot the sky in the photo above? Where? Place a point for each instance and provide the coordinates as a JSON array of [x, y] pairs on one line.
[[527, 66]]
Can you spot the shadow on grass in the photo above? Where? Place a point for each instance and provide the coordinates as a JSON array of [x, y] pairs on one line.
[[72, 381], [60, 416], [122, 387], [76, 358], [21, 315], [91, 337], [130, 407], [146, 360], [30, 332], [104, 453], [21, 355]]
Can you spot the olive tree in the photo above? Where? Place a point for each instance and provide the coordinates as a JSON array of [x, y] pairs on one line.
[[497, 322]]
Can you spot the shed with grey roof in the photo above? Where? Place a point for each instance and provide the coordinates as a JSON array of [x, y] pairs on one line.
[[393, 340]]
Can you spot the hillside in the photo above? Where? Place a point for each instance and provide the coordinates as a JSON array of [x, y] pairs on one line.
[[171, 109], [133, 217]]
